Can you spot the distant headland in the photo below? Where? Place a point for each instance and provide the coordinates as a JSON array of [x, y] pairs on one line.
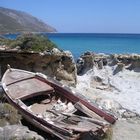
[[13, 21]]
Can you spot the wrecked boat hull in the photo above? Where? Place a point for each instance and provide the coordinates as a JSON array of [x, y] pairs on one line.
[[16, 85]]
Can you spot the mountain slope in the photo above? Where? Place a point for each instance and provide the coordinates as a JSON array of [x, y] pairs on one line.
[[12, 21]]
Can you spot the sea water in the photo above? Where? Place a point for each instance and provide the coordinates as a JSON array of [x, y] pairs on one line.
[[78, 43], [98, 43]]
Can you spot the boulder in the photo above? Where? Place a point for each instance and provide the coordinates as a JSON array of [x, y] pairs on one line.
[[18, 132], [119, 67], [113, 60], [131, 61], [100, 64], [85, 63], [80, 65]]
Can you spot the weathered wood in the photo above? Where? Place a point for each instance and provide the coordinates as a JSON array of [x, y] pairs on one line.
[[28, 88], [76, 122], [19, 85], [77, 128], [95, 121], [88, 112]]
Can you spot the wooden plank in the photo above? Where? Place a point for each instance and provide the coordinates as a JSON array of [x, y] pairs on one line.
[[16, 75], [20, 80], [87, 111], [82, 126], [76, 123], [28, 88], [94, 121]]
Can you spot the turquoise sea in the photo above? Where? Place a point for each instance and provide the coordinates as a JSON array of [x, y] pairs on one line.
[[79, 43]]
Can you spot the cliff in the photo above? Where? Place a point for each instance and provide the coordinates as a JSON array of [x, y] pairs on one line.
[[12, 21], [54, 63]]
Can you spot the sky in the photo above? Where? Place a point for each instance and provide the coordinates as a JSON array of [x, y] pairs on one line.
[[83, 16]]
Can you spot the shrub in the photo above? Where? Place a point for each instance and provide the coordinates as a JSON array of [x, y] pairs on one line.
[[29, 42], [33, 42]]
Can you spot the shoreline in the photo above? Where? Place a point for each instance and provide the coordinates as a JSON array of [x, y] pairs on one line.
[[112, 81], [98, 43]]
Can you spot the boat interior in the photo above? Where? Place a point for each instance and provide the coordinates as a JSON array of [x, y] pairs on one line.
[[55, 108], [45, 102]]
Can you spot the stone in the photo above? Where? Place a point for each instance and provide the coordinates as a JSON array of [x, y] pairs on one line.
[[18, 132], [85, 63], [100, 64], [129, 114], [119, 67], [80, 65], [56, 51], [109, 105], [113, 60]]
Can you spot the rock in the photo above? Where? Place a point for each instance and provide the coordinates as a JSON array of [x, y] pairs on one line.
[[3, 47], [113, 60], [100, 64], [126, 130], [56, 51], [131, 61], [85, 63], [129, 114], [119, 67], [105, 61], [80, 65], [88, 53], [69, 54], [1, 92], [109, 105], [8, 115], [51, 63], [18, 132], [98, 79]]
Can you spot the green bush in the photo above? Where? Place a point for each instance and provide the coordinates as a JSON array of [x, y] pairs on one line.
[[29, 42], [33, 42]]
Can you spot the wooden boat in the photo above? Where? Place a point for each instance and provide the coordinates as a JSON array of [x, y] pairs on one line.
[[53, 107]]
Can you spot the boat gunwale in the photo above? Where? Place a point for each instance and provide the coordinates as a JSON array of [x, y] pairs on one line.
[[68, 93]]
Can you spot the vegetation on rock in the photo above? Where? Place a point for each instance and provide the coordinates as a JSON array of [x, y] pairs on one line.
[[4, 41], [29, 42]]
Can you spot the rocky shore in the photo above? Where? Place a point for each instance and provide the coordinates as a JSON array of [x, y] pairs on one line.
[[110, 74], [111, 81]]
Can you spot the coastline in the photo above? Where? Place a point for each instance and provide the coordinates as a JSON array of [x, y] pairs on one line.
[[98, 43], [112, 81]]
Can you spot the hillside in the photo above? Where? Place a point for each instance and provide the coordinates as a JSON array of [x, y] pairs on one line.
[[12, 21]]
